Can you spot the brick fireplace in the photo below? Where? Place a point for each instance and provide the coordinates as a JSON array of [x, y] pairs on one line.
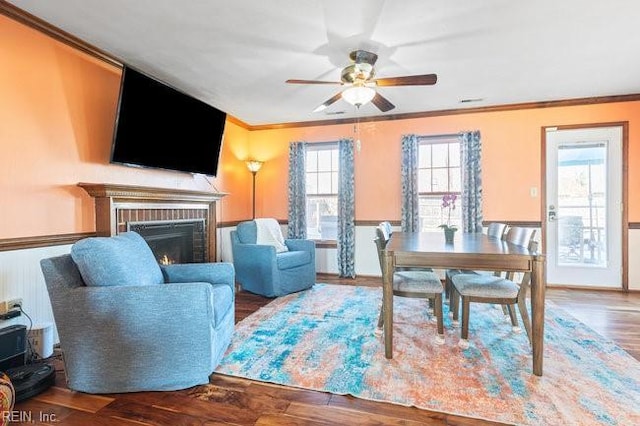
[[186, 218]]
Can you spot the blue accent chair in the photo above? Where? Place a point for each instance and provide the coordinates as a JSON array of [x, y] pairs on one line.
[[128, 324], [260, 270]]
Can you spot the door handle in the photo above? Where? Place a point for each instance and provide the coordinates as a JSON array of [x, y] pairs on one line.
[[552, 215]]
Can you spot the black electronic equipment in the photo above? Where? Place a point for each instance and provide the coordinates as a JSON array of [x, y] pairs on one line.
[[13, 346], [30, 380], [160, 127]]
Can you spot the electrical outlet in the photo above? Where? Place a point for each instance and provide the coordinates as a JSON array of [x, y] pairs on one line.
[[14, 303]]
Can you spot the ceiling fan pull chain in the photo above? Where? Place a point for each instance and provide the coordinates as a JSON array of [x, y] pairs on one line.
[[356, 128]]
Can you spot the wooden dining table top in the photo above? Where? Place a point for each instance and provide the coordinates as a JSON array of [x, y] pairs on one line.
[[475, 250]]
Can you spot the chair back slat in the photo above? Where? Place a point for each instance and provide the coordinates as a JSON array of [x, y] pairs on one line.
[[386, 229], [496, 229], [381, 241], [520, 236], [523, 237]]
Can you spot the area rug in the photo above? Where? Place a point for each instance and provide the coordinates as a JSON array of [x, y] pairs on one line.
[[326, 339]]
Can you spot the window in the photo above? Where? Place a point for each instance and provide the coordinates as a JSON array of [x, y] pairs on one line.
[[439, 173], [322, 191]]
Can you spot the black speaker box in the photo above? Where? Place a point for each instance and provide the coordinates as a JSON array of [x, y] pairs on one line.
[[13, 346]]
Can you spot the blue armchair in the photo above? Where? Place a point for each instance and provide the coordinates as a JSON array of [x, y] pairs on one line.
[[127, 324], [260, 269]]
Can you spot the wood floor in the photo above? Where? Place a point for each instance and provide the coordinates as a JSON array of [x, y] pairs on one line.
[[243, 402]]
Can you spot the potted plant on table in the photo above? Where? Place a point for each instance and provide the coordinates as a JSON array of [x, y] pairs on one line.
[[449, 203]]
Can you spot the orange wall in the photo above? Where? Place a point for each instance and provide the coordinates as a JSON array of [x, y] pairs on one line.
[[57, 107], [511, 162]]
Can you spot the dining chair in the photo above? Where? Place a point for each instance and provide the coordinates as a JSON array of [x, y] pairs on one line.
[[388, 231], [421, 284], [484, 288], [494, 230]]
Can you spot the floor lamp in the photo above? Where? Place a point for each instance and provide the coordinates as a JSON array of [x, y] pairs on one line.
[[254, 166]]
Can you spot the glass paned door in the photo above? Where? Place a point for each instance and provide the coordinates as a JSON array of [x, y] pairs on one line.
[[582, 200], [584, 207]]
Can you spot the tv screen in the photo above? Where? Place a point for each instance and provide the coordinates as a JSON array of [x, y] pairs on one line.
[[158, 126]]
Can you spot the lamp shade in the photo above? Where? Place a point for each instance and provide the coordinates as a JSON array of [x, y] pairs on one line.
[[358, 95], [254, 165]]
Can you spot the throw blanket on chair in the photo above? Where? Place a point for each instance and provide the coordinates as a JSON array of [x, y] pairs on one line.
[[269, 233]]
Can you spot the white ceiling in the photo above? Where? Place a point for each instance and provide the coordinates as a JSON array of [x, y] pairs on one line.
[[236, 55]]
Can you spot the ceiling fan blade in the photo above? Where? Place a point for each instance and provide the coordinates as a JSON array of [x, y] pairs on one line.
[[409, 80], [293, 81], [328, 102], [382, 103]]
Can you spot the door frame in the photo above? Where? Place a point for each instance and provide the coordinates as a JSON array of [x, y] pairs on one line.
[[625, 193]]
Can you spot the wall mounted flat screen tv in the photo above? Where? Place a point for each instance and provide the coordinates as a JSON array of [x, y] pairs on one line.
[[160, 127]]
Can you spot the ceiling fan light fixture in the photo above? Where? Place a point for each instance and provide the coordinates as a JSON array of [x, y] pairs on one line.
[[358, 95]]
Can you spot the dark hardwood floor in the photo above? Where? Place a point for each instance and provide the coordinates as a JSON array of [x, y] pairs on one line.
[[231, 401]]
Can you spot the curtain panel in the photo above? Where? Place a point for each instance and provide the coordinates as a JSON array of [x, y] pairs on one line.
[[297, 191], [470, 153], [346, 210], [410, 215]]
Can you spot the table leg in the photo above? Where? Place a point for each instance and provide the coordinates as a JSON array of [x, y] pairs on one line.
[[387, 303], [538, 287]]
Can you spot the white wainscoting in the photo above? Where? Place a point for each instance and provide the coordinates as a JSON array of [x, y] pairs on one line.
[[634, 265], [223, 244], [21, 276]]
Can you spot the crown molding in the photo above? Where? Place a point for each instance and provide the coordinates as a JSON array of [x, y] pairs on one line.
[[496, 108], [38, 24], [56, 33]]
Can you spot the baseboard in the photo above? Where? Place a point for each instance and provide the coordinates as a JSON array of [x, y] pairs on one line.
[[594, 288]]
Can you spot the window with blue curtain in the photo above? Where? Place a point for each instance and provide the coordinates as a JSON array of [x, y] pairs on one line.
[[432, 166], [322, 197]]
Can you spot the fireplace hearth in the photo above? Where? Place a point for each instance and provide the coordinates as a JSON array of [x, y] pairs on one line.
[[174, 241]]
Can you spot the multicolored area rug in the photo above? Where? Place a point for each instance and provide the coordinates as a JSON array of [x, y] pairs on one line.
[[326, 339]]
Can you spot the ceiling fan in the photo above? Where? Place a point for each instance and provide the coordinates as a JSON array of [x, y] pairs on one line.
[[359, 77]]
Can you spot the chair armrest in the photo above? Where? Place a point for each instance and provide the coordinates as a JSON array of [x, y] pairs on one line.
[[140, 307], [212, 273], [256, 265], [253, 253], [300, 245]]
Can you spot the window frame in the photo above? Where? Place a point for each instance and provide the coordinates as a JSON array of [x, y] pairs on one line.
[[437, 195], [334, 168]]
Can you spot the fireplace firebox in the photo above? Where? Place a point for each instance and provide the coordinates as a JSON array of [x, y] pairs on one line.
[[174, 241]]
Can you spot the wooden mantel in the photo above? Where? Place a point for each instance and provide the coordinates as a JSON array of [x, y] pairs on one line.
[[130, 192], [113, 201]]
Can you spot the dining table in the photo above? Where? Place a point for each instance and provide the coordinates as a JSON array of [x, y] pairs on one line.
[[470, 251]]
